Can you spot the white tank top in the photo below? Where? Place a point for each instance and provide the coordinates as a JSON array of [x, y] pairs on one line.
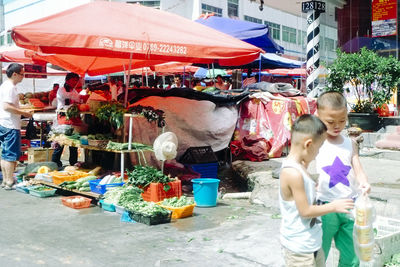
[[300, 235], [336, 175]]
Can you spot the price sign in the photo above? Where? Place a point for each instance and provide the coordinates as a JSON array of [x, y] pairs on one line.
[[313, 5], [35, 71]]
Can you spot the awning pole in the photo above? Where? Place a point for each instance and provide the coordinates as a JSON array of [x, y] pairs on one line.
[[183, 79], [129, 79], [147, 79], [213, 72], [259, 69]]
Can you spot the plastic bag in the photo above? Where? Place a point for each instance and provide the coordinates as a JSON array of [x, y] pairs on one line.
[[363, 231], [31, 132]]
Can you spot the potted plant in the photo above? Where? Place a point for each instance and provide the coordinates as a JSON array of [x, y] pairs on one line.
[[373, 79]]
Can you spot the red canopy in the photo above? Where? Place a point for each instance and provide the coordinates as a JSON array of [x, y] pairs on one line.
[[109, 29], [19, 56]]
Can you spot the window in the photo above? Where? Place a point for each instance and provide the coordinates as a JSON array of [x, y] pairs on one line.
[[274, 30], [329, 44], [9, 39], [211, 9], [1, 40], [288, 34], [155, 4], [252, 19], [233, 8], [301, 38]]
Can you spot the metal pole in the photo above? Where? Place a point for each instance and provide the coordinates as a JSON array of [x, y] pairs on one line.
[[129, 79], [1, 30], [259, 69]]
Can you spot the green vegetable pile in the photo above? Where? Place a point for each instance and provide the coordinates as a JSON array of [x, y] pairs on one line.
[[113, 195], [124, 146], [177, 202], [72, 112], [112, 113], [150, 114], [142, 176], [210, 90], [149, 209], [82, 184], [130, 194], [42, 188]]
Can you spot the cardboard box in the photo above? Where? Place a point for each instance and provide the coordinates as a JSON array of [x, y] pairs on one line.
[[39, 154]]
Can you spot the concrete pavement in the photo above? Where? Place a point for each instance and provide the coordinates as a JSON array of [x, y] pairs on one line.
[[43, 232]]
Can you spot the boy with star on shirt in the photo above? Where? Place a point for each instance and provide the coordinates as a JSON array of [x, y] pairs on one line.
[[340, 176]]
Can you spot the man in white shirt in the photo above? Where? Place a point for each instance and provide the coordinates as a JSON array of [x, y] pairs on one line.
[[10, 124], [68, 95]]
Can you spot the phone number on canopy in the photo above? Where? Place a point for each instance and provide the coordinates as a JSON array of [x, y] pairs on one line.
[[152, 47]]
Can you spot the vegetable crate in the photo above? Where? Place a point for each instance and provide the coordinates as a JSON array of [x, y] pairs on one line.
[[85, 203], [95, 187], [59, 177], [155, 191], [41, 193], [22, 189], [150, 220], [387, 243], [180, 212], [207, 170], [119, 209], [107, 206]]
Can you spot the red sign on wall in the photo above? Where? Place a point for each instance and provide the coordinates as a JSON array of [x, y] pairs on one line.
[[384, 17]]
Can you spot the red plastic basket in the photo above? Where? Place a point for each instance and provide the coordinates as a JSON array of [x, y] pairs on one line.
[[76, 205], [155, 191]]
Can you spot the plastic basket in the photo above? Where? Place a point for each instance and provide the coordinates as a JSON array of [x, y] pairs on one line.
[[46, 193], [22, 189], [201, 154], [107, 206], [387, 240], [98, 143], [206, 170], [95, 187], [60, 177], [155, 191], [179, 212], [150, 220], [119, 209], [387, 243], [77, 205]]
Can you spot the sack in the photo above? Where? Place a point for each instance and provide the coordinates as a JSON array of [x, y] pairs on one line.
[[31, 132]]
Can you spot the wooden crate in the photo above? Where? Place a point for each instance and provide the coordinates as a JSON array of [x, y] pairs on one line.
[[39, 154]]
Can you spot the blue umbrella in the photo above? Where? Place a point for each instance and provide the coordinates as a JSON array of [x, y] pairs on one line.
[[250, 32]]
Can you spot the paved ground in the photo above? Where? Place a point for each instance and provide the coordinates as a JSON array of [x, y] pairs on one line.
[[43, 232]]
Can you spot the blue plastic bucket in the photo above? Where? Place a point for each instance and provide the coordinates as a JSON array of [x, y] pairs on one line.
[[205, 192]]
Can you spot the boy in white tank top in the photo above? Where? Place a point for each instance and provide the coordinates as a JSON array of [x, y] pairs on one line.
[[301, 233], [340, 176]]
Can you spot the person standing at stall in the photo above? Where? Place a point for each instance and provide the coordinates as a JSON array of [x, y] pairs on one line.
[[66, 96], [10, 124]]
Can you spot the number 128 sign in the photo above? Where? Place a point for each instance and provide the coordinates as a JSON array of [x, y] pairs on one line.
[[313, 5]]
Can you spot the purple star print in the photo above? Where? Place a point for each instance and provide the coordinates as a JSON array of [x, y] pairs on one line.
[[338, 173]]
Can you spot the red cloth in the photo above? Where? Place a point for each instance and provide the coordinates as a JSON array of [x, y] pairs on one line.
[[271, 122]]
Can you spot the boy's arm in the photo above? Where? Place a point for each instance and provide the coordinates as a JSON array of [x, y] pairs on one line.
[[294, 181], [359, 173]]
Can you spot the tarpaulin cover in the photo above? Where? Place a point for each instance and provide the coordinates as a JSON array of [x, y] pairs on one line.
[[221, 100], [250, 32], [271, 120], [195, 123], [121, 30]]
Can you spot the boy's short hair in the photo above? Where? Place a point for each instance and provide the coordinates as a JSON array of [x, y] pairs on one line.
[[14, 68], [308, 125], [334, 100]]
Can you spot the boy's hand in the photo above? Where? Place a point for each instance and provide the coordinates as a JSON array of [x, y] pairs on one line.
[[343, 205], [365, 187]]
